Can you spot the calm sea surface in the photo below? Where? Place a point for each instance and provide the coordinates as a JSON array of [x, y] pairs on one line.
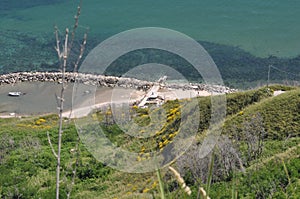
[[269, 27], [40, 98]]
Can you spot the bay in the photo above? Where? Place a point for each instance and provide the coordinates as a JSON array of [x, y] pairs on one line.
[[262, 28]]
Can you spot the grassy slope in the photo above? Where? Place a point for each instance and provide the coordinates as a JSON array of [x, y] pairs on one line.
[[280, 114], [27, 166], [276, 172]]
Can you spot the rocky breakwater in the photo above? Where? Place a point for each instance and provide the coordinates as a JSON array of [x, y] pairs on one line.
[[88, 79], [105, 81], [213, 89]]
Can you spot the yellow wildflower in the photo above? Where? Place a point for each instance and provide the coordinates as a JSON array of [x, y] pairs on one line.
[[166, 142], [160, 145], [154, 185], [146, 190]]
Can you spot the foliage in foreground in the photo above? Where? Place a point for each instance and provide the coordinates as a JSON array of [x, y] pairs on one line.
[[27, 166]]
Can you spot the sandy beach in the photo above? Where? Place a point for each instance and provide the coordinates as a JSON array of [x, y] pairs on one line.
[[39, 98]]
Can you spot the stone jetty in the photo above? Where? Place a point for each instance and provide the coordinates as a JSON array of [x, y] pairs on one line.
[[88, 79], [105, 81]]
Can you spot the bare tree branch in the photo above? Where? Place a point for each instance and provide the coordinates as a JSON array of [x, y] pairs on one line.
[[51, 146], [63, 53], [57, 47], [61, 108], [76, 17], [254, 134], [82, 48], [77, 151]]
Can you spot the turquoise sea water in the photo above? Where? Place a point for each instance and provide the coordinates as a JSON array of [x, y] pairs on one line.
[[263, 28]]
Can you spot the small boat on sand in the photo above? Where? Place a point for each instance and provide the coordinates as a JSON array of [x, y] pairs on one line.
[[15, 94]]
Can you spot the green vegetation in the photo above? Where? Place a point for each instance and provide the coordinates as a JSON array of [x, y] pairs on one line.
[[280, 115], [27, 165]]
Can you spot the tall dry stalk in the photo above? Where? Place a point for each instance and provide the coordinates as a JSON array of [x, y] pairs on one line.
[[202, 193], [181, 181], [61, 109], [63, 55], [77, 152]]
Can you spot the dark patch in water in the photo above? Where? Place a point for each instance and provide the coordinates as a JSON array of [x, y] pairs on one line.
[[17, 4]]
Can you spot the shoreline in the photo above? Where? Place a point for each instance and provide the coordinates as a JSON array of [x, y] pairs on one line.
[[168, 91]]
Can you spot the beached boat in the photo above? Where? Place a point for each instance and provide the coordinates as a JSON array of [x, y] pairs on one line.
[[15, 94], [153, 96]]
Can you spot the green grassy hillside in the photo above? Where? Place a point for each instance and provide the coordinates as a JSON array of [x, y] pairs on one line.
[[240, 169]]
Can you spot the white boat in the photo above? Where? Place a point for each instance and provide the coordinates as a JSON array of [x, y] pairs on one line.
[[153, 96], [15, 94]]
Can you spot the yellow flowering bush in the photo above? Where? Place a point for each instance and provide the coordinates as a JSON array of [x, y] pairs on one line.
[[40, 121]]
